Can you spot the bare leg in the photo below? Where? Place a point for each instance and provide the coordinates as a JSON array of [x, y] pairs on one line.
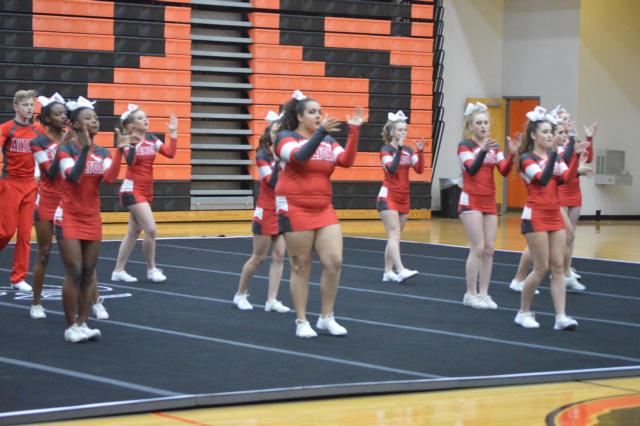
[[261, 244], [490, 223], [573, 214], [473, 227], [275, 269], [328, 245], [128, 243], [299, 245], [144, 216], [71, 252], [538, 243], [44, 235], [557, 246], [391, 221], [90, 252]]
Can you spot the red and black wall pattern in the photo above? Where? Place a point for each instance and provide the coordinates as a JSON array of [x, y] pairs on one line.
[[113, 52], [373, 54]]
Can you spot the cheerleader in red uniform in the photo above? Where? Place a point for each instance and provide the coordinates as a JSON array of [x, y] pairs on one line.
[[265, 226], [308, 156], [542, 222], [78, 225], [394, 199], [18, 185], [53, 118], [570, 193], [479, 155], [136, 192]]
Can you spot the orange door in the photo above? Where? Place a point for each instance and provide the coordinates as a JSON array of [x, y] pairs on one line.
[[518, 108]]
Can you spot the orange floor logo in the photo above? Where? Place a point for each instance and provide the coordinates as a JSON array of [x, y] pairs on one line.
[[614, 410]]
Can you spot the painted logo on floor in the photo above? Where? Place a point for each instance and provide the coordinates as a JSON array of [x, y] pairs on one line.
[[613, 410], [54, 292]]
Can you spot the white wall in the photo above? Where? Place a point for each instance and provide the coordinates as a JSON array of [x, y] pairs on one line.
[[472, 68], [609, 92], [541, 51]]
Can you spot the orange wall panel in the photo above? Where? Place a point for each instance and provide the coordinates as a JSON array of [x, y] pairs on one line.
[[265, 20], [265, 36], [357, 26], [421, 88], [274, 66], [177, 14], [87, 8], [421, 102], [72, 41], [68, 24], [359, 41], [177, 47], [421, 11], [411, 59], [325, 84], [268, 51], [139, 92], [155, 109], [154, 77], [266, 4], [421, 29], [180, 31], [270, 97], [168, 62], [421, 73]]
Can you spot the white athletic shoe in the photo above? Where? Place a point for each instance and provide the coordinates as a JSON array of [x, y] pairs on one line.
[[564, 322], [74, 334], [123, 276], [488, 301], [277, 306], [242, 302], [474, 301], [573, 284], [100, 311], [21, 286], [304, 330], [37, 312], [156, 275], [526, 320], [90, 333], [518, 285], [390, 276], [575, 274], [330, 324], [405, 274]]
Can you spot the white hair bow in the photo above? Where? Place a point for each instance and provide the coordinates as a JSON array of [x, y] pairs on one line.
[[538, 114], [127, 113], [273, 116], [82, 102], [398, 116], [298, 95], [553, 118], [477, 107], [44, 101]]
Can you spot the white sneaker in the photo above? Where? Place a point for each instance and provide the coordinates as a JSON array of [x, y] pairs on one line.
[[573, 284], [91, 333], [575, 274], [123, 276], [405, 274], [37, 312], [518, 286], [242, 302], [330, 324], [21, 286], [74, 334], [564, 322], [100, 311], [304, 330], [390, 276], [474, 301], [156, 275], [277, 306], [488, 301], [526, 320]]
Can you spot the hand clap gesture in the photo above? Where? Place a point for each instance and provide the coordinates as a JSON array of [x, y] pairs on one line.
[[357, 119]]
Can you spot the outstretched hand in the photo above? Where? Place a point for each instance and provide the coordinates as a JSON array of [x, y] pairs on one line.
[[591, 131], [84, 138], [330, 124], [357, 118], [125, 141], [420, 144], [172, 125], [515, 143], [583, 167], [489, 144]]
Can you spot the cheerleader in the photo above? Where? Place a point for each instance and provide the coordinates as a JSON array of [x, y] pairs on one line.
[[394, 197], [78, 225], [53, 118], [542, 223], [136, 191], [265, 226], [303, 203], [18, 185], [479, 155]]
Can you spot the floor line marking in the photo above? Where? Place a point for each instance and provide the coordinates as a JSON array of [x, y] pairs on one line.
[[253, 346], [86, 376]]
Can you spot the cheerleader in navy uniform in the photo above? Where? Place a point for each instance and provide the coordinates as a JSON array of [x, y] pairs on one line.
[[53, 117], [265, 226], [542, 222], [78, 225], [394, 197], [479, 155]]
